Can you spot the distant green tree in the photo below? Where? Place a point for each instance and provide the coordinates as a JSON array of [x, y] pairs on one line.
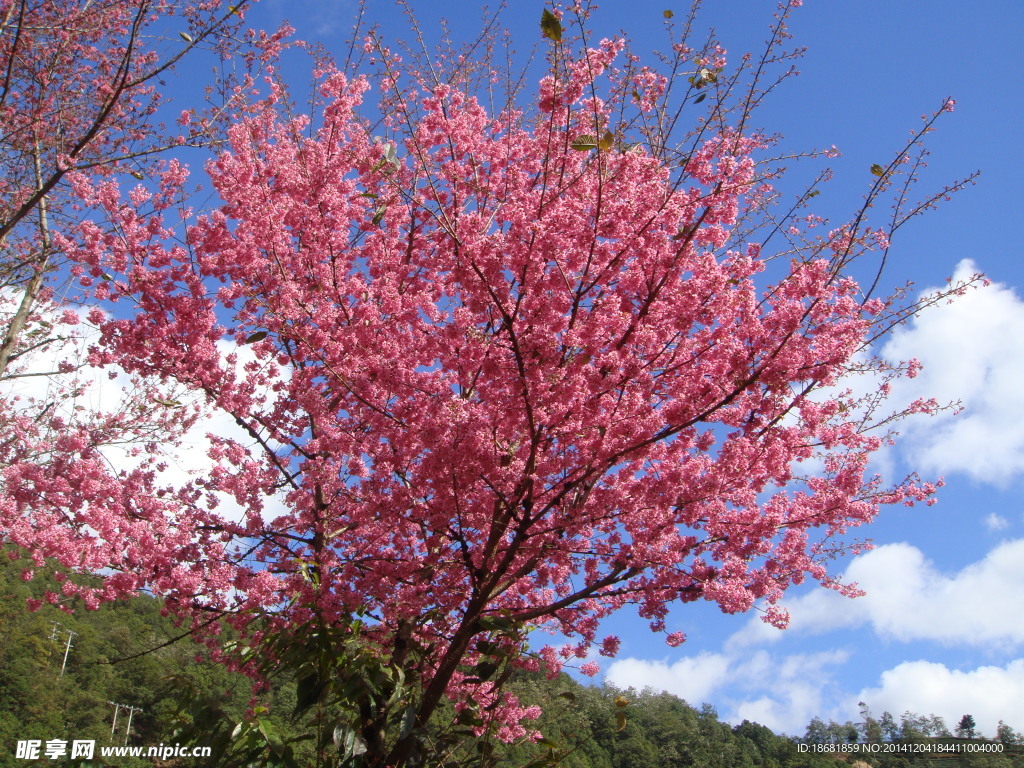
[[817, 732], [890, 728], [870, 728], [966, 728], [913, 727], [1006, 735], [936, 727]]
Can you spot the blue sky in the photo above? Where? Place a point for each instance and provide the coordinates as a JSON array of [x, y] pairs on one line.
[[942, 627]]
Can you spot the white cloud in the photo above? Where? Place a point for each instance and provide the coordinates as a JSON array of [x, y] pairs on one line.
[[692, 678], [996, 522], [793, 689], [783, 694], [973, 352], [909, 599], [988, 694]]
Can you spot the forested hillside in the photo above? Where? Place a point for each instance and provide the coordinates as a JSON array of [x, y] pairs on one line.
[[127, 654]]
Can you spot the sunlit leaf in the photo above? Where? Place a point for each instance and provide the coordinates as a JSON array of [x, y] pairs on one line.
[[550, 26]]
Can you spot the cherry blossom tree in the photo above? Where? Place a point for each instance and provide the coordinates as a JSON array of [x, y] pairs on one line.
[[495, 370]]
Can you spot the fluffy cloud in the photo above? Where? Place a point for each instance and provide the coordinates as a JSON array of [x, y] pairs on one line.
[[988, 694], [973, 352], [793, 689], [784, 692], [909, 599], [693, 678], [781, 693]]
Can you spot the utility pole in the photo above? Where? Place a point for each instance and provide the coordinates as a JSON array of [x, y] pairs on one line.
[[54, 633], [131, 713]]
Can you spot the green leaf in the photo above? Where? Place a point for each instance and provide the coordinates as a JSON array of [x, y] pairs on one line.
[[350, 744], [493, 623], [877, 170], [338, 734], [667, 14], [583, 143], [468, 717], [252, 338], [485, 670], [269, 731], [491, 649], [550, 26], [685, 231], [408, 721], [607, 141], [307, 692]]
